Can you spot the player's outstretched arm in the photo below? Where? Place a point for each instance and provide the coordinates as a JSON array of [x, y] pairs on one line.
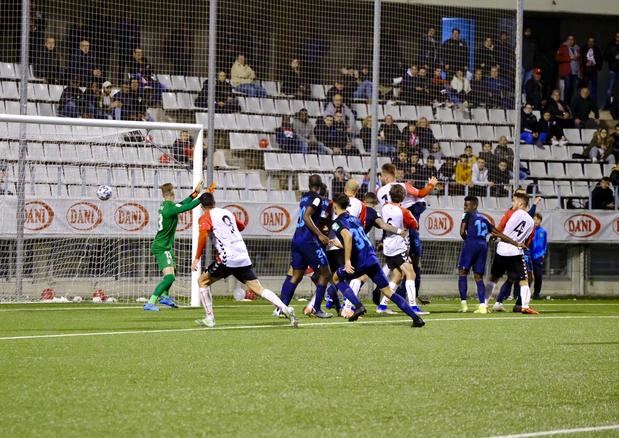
[[347, 251], [389, 228], [307, 218], [504, 238], [420, 193]]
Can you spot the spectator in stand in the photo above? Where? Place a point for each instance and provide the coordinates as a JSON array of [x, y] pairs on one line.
[[364, 84], [429, 49], [551, 130], [401, 161], [506, 56], [504, 152], [487, 56], [582, 107], [243, 78], [614, 104], [568, 57], [534, 89], [82, 66], [340, 177], [388, 136], [602, 197], [470, 156], [130, 104], [478, 95], [293, 81], [366, 132], [529, 124], [182, 149], [539, 249], [349, 78], [428, 170], [447, 171], [592, 61], [529, 52], [417, 89], [600, 147], [455, 51], [424, 134], [47, 64], [106, 104], [480, 178], [332, 136], [337, 105], [500, 176], [91, 101], [72, 103], [460, 88], [409, 136], [463, 175], [436, 152], [559, 110], [225, 100], [488, 156], [139, 66], [304, 129], [496, 89], [339, 88], [615, 146], [287, 138], [614, 175], [611, 55]]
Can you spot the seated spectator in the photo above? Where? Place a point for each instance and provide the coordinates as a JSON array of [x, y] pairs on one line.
[[582, 107], [529, 124], [615, 146], [225, 100], [401, 161], [439, 86], [504, 152], [388, 136], [488, 156], [497, 90], [551, 129], [106, 103], [72, 103], [409, 136], [139, 66], [428, 170], [91, 101], [480, 178], [339, 89], [614, 175], [130, 103], [293, 81], [330, 135], [559, 110], [424, 134], [463, 174], [340, 177], [287, 138], [182, 149], [470, 156], [500, 177], [349, 77], [337, 105], [82, 65], [460, 88], [447, 171], [364, 85], [243, 78], [47, 64], [602, 197], [534, 90], [416, 86], [436, 152], [478, 94], [600, 147], [304, 128]]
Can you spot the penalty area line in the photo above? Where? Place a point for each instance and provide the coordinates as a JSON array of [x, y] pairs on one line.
[[282, 325], [561, 431]]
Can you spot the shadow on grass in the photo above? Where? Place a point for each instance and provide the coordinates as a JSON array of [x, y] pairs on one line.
[[591, 343]]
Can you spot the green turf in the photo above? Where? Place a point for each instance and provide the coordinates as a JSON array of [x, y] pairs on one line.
[[461, 375]]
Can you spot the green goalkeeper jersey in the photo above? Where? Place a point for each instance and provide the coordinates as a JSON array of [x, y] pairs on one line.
[[167, 220]]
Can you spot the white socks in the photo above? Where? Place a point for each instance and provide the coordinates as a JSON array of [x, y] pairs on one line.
[[489, 291], [207, 301], [270, 295], [525, 296], [355, 285], [411, 292], [384, 301]]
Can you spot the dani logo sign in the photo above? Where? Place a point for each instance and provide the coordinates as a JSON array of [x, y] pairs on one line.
[[582, 225], [274, 218], [37, 215], [239, 213], [131, 216], [439, 223], [84, 216]]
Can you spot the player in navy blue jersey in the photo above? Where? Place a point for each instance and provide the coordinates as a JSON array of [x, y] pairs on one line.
[[474, 230], [360, 259], [307, 248]]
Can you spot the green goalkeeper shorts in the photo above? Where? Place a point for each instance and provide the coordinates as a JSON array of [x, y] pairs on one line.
[[165, 259]]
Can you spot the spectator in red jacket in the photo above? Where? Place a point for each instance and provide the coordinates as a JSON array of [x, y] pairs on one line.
[[568, 57]]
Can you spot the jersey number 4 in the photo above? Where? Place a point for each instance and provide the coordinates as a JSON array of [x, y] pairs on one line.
[[520, 228]]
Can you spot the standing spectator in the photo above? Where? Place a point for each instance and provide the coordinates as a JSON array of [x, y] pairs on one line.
[[591, 65], [480, 178], [83, 65], [293, 82], [504, 152], [611, 55], [602, 197], [499, 176], [47, 63], [287, 138], [340, 177], [529, 124], [424, 134], [497, 90], [558, 109], [529, 52], [455, 51], [487, 56], [388, 136], [460, 88], [182, 149], [600, 147], [304, 129], [539, 249], [551, 129], [71, 101], [366, 132], [225, 100], [488, 156], [463, 174], [243, 78], [534, 89], [429, 48], [568, 57], [409, 136], [582, 106], [338, 105], [506, 55]]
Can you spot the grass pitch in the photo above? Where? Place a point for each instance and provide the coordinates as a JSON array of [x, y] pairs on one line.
[[159, 375]]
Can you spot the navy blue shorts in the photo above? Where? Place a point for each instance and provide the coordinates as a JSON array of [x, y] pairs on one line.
[[415, 243], [527, 259], [473, 255], [307, 254], [373, 270]]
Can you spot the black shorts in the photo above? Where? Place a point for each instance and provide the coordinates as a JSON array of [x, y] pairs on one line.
[[514, 266], [394, 262], [336, 259], [221, 271]]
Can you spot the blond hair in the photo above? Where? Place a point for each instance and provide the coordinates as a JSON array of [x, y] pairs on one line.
[[167, 189]]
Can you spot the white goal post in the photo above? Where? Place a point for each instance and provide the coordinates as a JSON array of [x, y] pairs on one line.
[[39, 131]]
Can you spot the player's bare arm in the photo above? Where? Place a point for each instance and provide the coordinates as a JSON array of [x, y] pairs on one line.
[[496, 233], [390, 228], [307, 218], [347, 251]]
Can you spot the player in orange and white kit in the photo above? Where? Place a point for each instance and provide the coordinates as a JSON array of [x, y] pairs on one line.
[[231, 259]]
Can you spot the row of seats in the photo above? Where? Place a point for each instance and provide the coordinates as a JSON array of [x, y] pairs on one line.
[[283, 162], [569, 170], [36, 91]]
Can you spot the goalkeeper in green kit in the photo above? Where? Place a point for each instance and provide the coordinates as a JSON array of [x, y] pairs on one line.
[[163, 244]]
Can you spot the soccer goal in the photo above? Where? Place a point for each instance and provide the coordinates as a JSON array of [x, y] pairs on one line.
[[91, 199]]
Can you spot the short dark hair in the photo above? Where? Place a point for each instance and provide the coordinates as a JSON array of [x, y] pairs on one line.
[[388, 168], [314, 182], [472, 199], [523, 197], [207, 200], [323, 190], [605, 178], [371, 197], [455, 29], [539, 216], [397, 193], [430, 157], [341, 200]]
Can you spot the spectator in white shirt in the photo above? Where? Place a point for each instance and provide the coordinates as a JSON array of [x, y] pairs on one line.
[[480, 178]]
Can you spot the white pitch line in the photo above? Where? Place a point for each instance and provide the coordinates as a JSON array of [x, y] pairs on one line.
[[282, 325], [561, 431]]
